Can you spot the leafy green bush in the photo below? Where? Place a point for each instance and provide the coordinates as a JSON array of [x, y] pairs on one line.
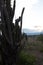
[[26, 59]]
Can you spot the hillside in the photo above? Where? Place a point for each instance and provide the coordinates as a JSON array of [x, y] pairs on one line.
[[34, 47]]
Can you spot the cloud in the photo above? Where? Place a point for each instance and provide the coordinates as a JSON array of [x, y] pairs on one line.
[[29, 17], [29, 14], [34, 1]]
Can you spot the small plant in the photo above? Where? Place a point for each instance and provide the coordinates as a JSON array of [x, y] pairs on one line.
[[26, 59], [41, 49], [40, 38]]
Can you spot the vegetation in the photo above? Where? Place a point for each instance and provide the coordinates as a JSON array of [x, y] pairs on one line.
[[27, 59], [41, 49], [33, 51], [12, 43], [40, 37], [11, 33]]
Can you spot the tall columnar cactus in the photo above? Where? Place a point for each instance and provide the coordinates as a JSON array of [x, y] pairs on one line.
[[10, 10], [11, 33]]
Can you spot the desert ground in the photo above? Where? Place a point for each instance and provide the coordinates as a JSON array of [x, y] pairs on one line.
[[34, 47]]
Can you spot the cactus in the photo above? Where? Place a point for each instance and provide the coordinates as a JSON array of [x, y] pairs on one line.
[[11, 33]]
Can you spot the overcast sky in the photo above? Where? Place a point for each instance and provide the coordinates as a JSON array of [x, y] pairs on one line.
[[33, 14]]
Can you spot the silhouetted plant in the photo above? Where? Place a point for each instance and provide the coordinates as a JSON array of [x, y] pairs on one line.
[[11, 33]]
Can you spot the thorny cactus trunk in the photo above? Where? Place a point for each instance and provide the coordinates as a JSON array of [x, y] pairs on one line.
[[11, 33]]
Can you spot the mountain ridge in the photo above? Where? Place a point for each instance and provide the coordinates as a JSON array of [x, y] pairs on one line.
[[31, 32]]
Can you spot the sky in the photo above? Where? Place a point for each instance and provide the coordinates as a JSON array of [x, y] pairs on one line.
[[33, 14]]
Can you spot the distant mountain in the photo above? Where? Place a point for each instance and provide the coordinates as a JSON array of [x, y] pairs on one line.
[[31, 32], [41, 32]]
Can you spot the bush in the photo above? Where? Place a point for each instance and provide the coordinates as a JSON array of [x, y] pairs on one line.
[[41, 49], [26, 59], [40, 38]]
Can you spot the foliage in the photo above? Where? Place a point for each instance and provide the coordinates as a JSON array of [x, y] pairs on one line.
[[26, 59], [40, 37], [24, 35], [41, 49]]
